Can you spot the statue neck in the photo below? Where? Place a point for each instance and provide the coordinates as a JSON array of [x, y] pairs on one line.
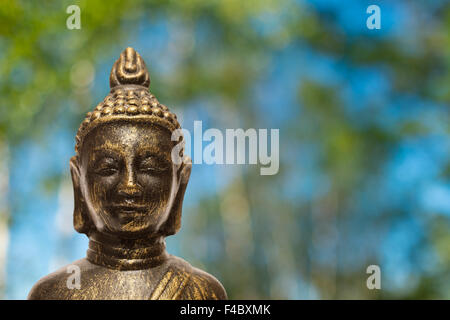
[[126, 254]]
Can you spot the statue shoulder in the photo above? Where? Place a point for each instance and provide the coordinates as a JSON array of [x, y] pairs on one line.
[[191, 283], [53, 285], [204, 286]]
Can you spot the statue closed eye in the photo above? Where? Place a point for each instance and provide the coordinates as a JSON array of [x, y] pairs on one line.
[[128, 198]]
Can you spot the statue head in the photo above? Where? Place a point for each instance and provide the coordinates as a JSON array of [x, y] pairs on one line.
[[125, 182]]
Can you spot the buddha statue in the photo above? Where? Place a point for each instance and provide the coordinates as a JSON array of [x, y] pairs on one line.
[[128, 197]]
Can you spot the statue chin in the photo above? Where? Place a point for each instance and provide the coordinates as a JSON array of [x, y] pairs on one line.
[[130, 225]]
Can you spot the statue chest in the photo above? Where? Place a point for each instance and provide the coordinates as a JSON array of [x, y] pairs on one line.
[[101, 283]]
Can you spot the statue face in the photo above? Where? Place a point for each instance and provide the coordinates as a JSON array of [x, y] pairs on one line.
[[127, 176]]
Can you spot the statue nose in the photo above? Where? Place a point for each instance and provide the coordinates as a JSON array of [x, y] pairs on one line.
[[129, 188], [130, 191]]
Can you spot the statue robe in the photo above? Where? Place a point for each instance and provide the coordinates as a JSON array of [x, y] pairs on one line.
[[174, 279]]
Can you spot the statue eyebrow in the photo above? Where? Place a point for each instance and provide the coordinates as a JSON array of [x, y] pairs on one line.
[[151, 152], [148, 151], [106, 149]]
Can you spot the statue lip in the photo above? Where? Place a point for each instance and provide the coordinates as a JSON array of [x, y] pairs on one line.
[[131, 208]]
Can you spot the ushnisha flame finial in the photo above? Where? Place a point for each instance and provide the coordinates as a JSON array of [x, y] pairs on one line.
[[129, 69], [129, 98]]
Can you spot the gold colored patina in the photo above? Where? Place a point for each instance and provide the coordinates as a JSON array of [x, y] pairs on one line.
[[128, 198]]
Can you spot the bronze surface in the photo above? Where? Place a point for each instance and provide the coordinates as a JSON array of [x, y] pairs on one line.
[[128, 197]]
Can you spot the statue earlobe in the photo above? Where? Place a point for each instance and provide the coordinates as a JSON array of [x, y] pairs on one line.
[[173, 222], [81, 220]]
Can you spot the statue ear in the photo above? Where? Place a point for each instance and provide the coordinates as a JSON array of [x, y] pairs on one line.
[[173, 222], [81, 220]]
